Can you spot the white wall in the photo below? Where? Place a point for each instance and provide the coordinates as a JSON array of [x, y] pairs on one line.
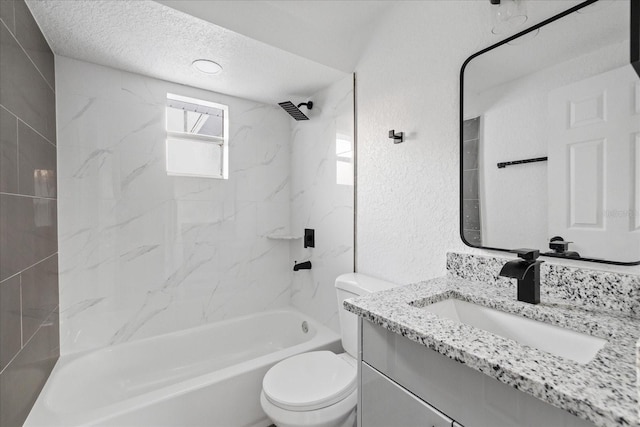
[[320, 202], [143, 253], [408, 80]]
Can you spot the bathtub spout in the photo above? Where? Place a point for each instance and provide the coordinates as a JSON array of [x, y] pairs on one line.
[[302, 266]]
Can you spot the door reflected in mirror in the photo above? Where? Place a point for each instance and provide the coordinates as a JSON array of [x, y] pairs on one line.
[[550, 139]]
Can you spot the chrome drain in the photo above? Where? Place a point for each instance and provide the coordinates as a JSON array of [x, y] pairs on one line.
[[305, 327]]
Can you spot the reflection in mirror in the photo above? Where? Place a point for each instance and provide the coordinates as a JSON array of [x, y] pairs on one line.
[[551, 140]]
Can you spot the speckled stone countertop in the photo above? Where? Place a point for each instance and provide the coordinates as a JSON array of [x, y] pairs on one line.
[[604, 391]]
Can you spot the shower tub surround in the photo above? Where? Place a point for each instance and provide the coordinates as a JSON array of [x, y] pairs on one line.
[[322, 199], [143, 253], [604, 391]]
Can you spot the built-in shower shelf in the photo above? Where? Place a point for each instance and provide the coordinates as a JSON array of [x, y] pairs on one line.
[[282, 237]]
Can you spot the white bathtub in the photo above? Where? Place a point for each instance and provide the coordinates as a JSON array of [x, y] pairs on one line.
[[206, 376]]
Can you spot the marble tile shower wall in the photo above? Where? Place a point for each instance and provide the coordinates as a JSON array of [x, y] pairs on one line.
[[29, 339], [143, 253], [322, 199]]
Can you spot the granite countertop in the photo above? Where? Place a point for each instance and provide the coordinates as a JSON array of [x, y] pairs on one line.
[[603, 391]]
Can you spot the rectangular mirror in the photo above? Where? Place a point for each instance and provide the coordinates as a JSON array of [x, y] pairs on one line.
[[550, 137]]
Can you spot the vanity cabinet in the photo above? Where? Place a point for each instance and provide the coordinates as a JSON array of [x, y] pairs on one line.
[[403, 383], [385, 403]]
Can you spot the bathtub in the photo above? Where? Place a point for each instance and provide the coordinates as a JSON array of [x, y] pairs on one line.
[[206, 376]]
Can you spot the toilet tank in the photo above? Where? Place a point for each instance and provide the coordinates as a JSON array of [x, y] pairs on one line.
[[353, 285]]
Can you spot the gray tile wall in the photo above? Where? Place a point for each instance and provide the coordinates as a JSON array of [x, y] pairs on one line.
[[29, 337], [470, 178]]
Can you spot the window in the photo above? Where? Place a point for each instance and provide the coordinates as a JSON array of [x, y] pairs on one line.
[[344, 160], [197, 138]]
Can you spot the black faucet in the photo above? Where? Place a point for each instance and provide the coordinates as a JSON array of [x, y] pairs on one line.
[[560, 248], [302, 266], [527, 271]]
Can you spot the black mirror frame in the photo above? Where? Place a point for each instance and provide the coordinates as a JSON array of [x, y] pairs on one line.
[[634, 61], [635, 35]]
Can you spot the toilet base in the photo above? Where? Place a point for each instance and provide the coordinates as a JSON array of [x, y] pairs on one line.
[[340, 414]]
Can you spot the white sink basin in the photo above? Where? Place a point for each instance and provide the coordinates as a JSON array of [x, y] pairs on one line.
[[576, 346]]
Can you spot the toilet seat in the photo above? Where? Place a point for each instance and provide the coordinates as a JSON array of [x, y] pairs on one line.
[[310, 381]]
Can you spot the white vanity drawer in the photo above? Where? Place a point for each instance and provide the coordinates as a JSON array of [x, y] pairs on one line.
[[385, 403]]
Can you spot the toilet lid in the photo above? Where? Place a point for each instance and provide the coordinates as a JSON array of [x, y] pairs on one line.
[[309, 381]]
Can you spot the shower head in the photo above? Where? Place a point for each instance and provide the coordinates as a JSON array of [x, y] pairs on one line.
[[294, 111]]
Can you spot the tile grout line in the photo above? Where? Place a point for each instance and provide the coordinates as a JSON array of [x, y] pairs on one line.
[[21, 343], [27, 124], [4, 193], [44, 320], [14, 18], [27, 343], [31, 266], [21, 325], [42, 136], [39, 72], [17, 150], [25, 52]]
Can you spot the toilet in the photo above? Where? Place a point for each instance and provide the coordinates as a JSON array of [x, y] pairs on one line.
[[318, 389]]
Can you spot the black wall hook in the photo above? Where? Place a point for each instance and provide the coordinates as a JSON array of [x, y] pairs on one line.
[[397, 137]]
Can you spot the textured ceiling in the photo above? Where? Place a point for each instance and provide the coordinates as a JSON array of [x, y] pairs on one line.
[[152, 39], [603, 24], [331, 32]]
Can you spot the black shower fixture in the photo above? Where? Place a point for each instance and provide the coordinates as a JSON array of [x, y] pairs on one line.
[[309, 238], [294, 111]]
